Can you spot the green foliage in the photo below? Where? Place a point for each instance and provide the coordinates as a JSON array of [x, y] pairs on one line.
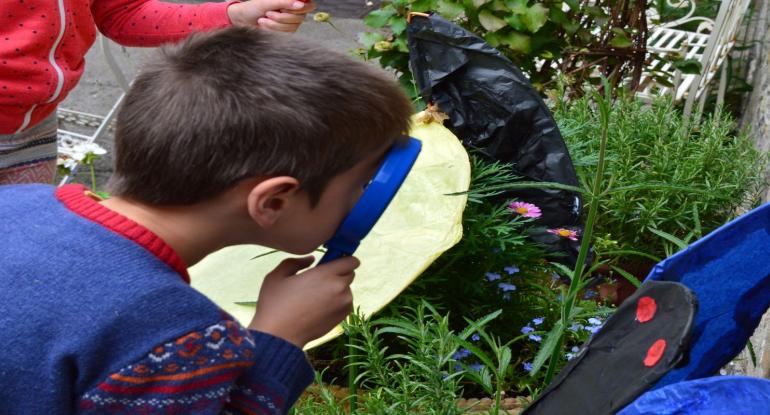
[[476, 278], [665, 178], [535, 35]]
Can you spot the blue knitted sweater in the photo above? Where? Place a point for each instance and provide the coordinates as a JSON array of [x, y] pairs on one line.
[[96, 316]]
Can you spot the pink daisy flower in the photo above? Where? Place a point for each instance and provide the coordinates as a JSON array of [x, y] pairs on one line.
[[564, 233], [528, 210]]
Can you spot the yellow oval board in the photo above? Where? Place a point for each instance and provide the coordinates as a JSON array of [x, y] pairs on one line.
[[422, 222]]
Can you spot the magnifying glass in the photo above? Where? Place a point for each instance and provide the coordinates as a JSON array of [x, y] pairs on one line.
[[376, 198]]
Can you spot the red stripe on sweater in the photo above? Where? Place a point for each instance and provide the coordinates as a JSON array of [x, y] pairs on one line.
[[75, 198], [168, 389]]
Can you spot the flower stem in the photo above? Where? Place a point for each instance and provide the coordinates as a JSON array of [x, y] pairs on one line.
[[93, 176], [603, 103]]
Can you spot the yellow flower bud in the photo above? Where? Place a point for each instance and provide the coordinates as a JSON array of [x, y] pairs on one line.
[[322, 17], [383, 46]]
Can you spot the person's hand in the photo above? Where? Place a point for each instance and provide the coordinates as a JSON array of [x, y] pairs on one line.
[[300, 307], [275, 15]]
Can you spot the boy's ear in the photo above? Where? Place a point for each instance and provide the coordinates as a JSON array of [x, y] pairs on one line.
[[270, 198]]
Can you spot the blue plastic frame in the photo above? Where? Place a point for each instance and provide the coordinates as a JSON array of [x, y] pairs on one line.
[[379, 192]]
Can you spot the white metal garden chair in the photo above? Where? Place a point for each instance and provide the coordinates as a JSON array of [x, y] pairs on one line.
[[71, 142], [710, 45]]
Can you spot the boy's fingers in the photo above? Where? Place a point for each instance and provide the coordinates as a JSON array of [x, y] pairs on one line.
[[342, 266], [291, 266]]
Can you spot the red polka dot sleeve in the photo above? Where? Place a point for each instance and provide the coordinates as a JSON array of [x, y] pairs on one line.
[[152, 22]]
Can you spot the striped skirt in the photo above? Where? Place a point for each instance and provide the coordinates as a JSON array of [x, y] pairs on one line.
[[29, 156]]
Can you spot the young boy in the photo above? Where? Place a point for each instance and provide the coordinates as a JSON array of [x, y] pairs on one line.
[[233, 137], [43, 44]]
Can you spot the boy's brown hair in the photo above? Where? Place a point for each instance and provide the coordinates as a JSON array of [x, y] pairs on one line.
[[224, 106]]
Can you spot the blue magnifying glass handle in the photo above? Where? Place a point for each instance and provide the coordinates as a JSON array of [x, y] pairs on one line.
[[376, 198]]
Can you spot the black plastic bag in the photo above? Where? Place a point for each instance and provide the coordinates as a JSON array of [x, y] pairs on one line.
[[494, 109]]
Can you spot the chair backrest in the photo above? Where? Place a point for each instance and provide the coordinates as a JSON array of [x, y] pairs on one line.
[[720, 43]]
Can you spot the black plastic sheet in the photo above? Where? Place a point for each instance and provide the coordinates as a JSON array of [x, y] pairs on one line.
[[494, 109]]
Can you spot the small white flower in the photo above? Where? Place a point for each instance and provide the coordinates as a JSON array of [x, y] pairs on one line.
[[78, 154], [94, 148], [70, 164], [369, 4]]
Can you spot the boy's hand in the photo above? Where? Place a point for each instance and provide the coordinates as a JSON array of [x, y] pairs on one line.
[[305, 306], [276, 15]]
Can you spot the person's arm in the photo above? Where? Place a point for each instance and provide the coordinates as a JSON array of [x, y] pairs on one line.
[[153, 22], [222, 368], [227, 368]]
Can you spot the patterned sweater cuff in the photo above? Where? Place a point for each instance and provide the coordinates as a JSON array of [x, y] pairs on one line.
[[283, 362]]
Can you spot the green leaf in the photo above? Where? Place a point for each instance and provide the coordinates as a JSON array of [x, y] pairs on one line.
[[368, 39], [397, 24], [478, 3], [621, 41], [491, 22], [625, 274], [505, 360], [620, 252], [401, 45], [474, 326], [563, 270], [494, 40], [550, 343], [535, 17], [516, 22], [517, 6], [669, 237], [422, 5], [483, 357], [752, 355], [379, 18], [449, 9], [517, 41], [688, 66]]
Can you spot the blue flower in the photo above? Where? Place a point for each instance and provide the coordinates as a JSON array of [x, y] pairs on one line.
[[506, 287], [576, 327], [575, 349], [527, 329], [461, 354], [593, 329], [594, 321], [538, 320], [511, 269], [535, 338], [475, 337], [492, 276], [527, 366], [589, 294], [569, 356], [476, 367], [555, 277]]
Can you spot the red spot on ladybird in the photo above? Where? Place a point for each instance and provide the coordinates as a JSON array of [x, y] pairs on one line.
[[645, 309], [655, 352]]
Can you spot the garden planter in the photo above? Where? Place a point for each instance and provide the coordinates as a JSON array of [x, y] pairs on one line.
[[616, 291]]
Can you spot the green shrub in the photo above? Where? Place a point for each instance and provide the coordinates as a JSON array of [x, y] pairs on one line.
[[663, 175]]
